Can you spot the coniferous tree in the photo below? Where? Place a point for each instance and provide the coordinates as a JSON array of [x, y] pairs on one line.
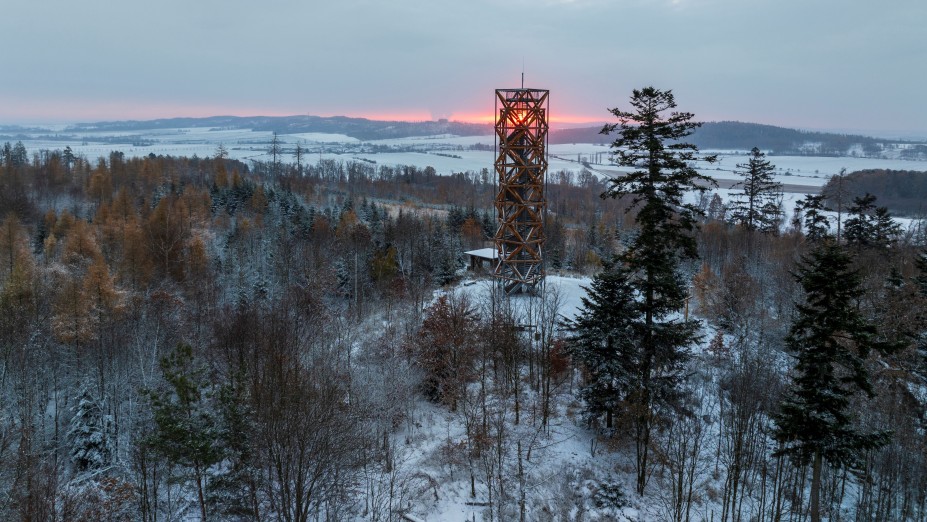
[[233, 489], [829, 341], [859, 230], [649, 141], [90, 435], [836, 192], [920, 282], [605, 343], [810, 217], [187, 427], [69, 159], [756, 207], [886, 229], [870, 226]]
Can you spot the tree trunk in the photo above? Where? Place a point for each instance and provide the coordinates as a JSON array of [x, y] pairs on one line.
[[199, 492], [816, 487]]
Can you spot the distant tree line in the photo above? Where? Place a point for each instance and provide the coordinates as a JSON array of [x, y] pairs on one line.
[[745, 136], [904, 192]]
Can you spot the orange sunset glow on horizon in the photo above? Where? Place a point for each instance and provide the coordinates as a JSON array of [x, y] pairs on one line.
[[65, 112]]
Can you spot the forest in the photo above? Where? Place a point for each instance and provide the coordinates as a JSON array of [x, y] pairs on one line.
[[735, 135], [902, 191], [205, 339]]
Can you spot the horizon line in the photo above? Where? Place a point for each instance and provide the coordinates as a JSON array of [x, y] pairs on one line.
[[464, 118]]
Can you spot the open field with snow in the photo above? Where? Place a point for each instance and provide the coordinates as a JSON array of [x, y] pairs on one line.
[[446, 153]]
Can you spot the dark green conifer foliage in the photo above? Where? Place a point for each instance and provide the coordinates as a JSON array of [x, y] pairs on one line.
[[810, 218], [830, 341], [233, 489], [606, 343], [650, 141], [870, 226], [920, 280], [859, 230], [887, 230], [756, 206], [187, 429]]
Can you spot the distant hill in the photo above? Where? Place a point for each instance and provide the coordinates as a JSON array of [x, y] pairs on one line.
[[712, 135], [360, 128], [745, 136], [580, 135]]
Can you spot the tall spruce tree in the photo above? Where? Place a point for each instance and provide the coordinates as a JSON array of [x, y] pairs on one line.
[[830, 341], [859, 230], [870, 226], [810, 217], [650, 141], [887, 230], [606, 343], [757, 205]]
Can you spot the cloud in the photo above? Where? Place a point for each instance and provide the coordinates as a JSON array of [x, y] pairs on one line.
[[827, 64]]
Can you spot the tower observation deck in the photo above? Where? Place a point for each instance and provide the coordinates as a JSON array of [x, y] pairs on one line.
[[521, 170]]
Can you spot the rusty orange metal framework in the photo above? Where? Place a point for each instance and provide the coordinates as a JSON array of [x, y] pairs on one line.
[[521, 172]]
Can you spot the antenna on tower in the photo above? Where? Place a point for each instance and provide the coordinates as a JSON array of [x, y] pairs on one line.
[[522, 72]]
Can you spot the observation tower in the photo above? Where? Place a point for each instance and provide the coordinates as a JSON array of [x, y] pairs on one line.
[[521, 121]]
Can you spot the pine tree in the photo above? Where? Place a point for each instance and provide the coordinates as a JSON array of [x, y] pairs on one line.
[[187, 427], [605, 343], [232, 490], [870, 226], [90, 435], [651, 143], [886, 229], [69, 159], [298, 153], [859, 230], [756, 207], [829, 341], [810, 217]]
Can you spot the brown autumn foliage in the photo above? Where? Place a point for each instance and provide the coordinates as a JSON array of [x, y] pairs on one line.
[[124, 258], [445, 348]]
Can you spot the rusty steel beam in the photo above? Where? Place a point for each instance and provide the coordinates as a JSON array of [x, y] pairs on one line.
[[521, 119]]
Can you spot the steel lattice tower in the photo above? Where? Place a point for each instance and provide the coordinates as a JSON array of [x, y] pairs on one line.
[[521, 171]]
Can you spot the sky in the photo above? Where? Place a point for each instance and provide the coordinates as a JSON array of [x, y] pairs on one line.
[[814, 64]]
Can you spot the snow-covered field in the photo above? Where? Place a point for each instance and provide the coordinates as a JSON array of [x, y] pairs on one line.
[[246, 144], [447, 154]]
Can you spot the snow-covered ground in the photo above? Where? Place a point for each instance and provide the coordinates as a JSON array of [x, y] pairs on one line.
[[565, 466], [569, 468], [569, 291]]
